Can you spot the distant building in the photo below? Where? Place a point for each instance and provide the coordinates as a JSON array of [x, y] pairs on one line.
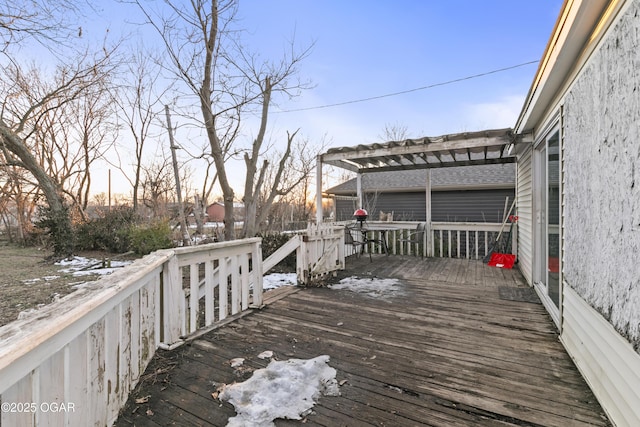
[[215, 212]]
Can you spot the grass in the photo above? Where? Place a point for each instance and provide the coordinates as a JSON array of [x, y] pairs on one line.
[[30, 279]]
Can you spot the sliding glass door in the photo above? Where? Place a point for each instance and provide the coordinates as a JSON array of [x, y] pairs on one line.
[[548, 218]]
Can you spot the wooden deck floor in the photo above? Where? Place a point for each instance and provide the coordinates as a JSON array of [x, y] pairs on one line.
[[447, 351]]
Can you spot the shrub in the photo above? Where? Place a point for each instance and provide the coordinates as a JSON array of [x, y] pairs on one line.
[[109, 232], [57, 226], [151, 237]]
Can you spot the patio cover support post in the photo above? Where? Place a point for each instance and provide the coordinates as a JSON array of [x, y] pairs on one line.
[[427, 230], [319, 189], [359, 191]]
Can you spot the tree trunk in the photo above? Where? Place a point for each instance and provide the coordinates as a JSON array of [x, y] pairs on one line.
[[62, 230], [210, 125], [252, 187]]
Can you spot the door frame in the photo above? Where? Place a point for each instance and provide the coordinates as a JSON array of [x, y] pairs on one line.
[[541, 225]]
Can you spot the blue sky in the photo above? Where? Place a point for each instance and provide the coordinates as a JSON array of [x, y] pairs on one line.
[[370, 48], [367, 48]]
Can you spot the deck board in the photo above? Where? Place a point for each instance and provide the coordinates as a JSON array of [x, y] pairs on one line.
[[447, 351]]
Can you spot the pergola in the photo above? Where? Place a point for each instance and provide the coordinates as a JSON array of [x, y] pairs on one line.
[[460, 149]]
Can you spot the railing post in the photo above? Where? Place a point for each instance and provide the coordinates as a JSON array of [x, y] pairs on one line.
[[341, 252], [427, 231], [256, 263], [172, 314], [301, 261]]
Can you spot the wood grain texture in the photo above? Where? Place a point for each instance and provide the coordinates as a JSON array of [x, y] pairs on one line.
[[446, 351]]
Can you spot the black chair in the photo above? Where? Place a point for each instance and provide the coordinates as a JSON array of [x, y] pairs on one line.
[[349, 240], [416, 236]]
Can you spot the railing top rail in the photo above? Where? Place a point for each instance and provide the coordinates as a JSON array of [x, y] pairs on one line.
[[470, 226], [218, 245]]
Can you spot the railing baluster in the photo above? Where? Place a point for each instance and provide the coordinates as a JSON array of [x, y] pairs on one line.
[[235, 285], [476, 244], [209, 300], [466, 239], [194, 287], [244, 278], [223, 289], [486, 243]]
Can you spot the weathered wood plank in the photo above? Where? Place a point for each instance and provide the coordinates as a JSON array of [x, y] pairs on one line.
[[76, 379], [447, 351], [21, 392], [50, 380]]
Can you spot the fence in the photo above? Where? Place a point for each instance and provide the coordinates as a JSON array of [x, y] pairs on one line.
[[74, 362], [469, 240]]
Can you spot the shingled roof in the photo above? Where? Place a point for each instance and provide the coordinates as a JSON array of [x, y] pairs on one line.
[[453, 178]]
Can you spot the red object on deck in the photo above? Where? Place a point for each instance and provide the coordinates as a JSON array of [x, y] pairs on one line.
[[502, 260]]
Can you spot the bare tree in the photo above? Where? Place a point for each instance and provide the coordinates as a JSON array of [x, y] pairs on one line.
[[23, 111], [285, 181], [394, 132], [157, 186], [18, 201], [47, 22], [139, 102], [31, 124], [72, 137], [228, 82]]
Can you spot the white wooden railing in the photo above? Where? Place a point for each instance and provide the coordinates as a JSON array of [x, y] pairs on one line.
[[216, 282], [471, 240], [74, 362], [85, 352], [322, 251]]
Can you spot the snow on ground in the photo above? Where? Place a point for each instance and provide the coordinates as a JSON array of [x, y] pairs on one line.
[[284, 389], [81, 266], [45, 278], [373, 287], [275, 280]]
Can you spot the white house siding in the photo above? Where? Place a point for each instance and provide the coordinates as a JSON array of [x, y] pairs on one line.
[[524, 201], [605, 359], [602, 179]]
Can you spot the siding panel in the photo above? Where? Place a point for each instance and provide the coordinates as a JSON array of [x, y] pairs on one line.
[[606, 360], [525, 215], [470, 206], [458, 206]]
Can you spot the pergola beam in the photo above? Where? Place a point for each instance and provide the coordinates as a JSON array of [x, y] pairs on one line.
[[441, 165], [430, 147]]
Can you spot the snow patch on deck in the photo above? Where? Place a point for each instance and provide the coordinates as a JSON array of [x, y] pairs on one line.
[[284, 389], [371, 286]]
